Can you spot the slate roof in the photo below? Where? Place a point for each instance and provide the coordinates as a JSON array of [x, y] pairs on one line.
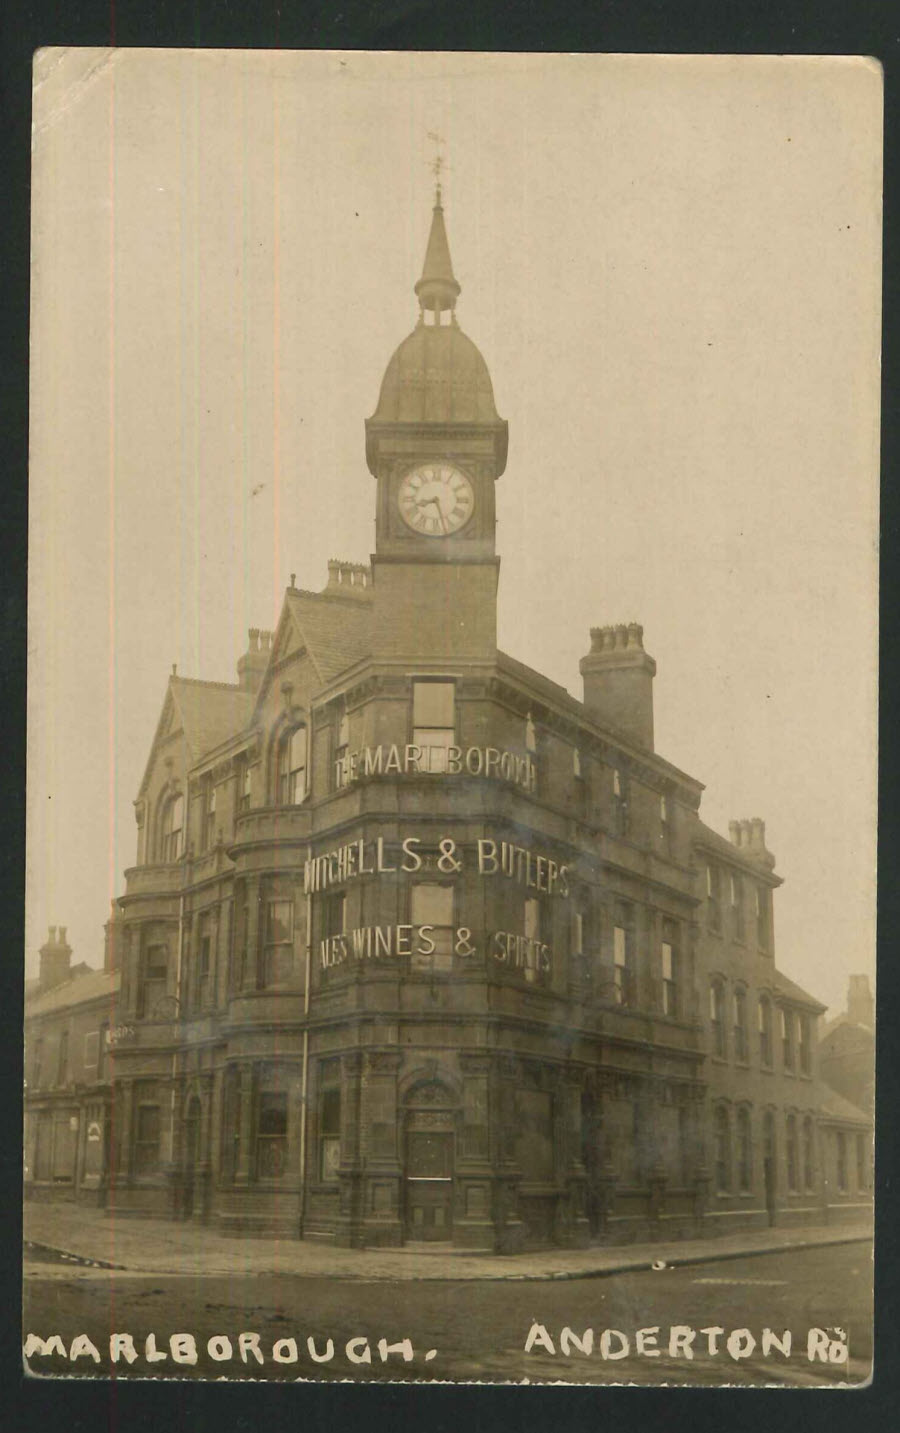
[[211, 712], [835, 1107], [79, 989], [336, 630], [792, 991]]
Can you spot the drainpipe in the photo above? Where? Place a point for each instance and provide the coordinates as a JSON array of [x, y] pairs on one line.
[[305, 1075], [177, 1015]]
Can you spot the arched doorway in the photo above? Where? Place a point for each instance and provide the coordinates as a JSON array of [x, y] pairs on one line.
[[429, 1162], [192, 1118]]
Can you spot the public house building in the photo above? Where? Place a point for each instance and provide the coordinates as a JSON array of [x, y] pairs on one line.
[[420, 947]]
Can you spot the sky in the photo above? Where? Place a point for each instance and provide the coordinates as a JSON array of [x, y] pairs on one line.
[[672, 268]]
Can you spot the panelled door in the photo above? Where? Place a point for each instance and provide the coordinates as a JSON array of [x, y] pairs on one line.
[[429, 1184]]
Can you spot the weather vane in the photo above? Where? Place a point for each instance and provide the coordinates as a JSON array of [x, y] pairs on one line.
[[438, 163]]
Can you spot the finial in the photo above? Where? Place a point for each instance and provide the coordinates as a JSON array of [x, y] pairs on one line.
[[174, 669], [436, 165], [293, 580], [437, 289]]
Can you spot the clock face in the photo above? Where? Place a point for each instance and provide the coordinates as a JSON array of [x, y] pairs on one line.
[[436, 499]]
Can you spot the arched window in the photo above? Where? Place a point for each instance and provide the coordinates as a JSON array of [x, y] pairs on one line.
[[744, 1150], [790, 1150], [172, 829], [765, 1029], [722, 1144], [290, 786], [740, 1023], [717, 1017]]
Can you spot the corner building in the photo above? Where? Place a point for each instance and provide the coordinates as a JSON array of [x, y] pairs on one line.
[[418, 946]]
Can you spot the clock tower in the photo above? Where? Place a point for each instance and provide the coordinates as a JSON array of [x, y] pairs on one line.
[[435, 446]]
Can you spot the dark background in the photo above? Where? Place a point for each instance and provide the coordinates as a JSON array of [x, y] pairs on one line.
[[732, 26]]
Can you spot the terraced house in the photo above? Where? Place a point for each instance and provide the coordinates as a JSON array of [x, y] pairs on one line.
[[417, 945]]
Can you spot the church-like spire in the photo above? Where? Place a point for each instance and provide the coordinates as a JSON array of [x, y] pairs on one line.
[[437, 289]]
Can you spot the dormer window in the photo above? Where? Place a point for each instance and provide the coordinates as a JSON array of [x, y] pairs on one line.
[[172, 829], [291, 774]]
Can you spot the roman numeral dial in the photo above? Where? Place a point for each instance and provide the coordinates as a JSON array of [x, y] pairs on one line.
[[436, 499]]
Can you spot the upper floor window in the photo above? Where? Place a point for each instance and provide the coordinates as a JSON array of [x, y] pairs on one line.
[[341, 748], [714, 897], [535, 922], [620, 803], [434, 722], [204, 961], [62, 1061], [37, 1060], [278, 948], [334, 914], [762, 917], [803, 1043], [209, 815], [717, 1017], [737, 906], [665, 826], [765, 1029], [172, 830], [91, 1051], [530, 735], [787, 1038], [623, 973], [577, 771], [740, 1024], [291, 770], [154, 980], [431, 906], [744, 1150], [670, 972], [244, 786]]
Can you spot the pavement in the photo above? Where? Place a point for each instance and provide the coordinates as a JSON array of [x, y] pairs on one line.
[[86, 1242]]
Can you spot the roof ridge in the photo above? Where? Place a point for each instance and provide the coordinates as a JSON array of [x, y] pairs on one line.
[[201, 682]]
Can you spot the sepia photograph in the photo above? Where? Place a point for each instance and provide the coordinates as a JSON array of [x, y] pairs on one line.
[[452, 717]]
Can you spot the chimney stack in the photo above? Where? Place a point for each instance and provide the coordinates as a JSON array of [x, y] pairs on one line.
[[618, 681], [860, 1002], [252, 665], [750, 838], [56, 956], [349, 579]]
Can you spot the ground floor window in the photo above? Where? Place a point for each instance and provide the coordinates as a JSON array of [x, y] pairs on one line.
[[744, 1151], [841, 1154], [146, 1138], [861, 1180], [271, 1134], [808, 1168], [790, 1146], [722, 1145], [329, 1135]]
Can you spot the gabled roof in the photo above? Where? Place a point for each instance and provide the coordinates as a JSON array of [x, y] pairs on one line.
[[835, 1107], [207, 713], [336, 630], [211, 712], [79, 989], [792, 991]]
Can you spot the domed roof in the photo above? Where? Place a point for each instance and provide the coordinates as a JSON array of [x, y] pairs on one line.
[[436, 375]]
